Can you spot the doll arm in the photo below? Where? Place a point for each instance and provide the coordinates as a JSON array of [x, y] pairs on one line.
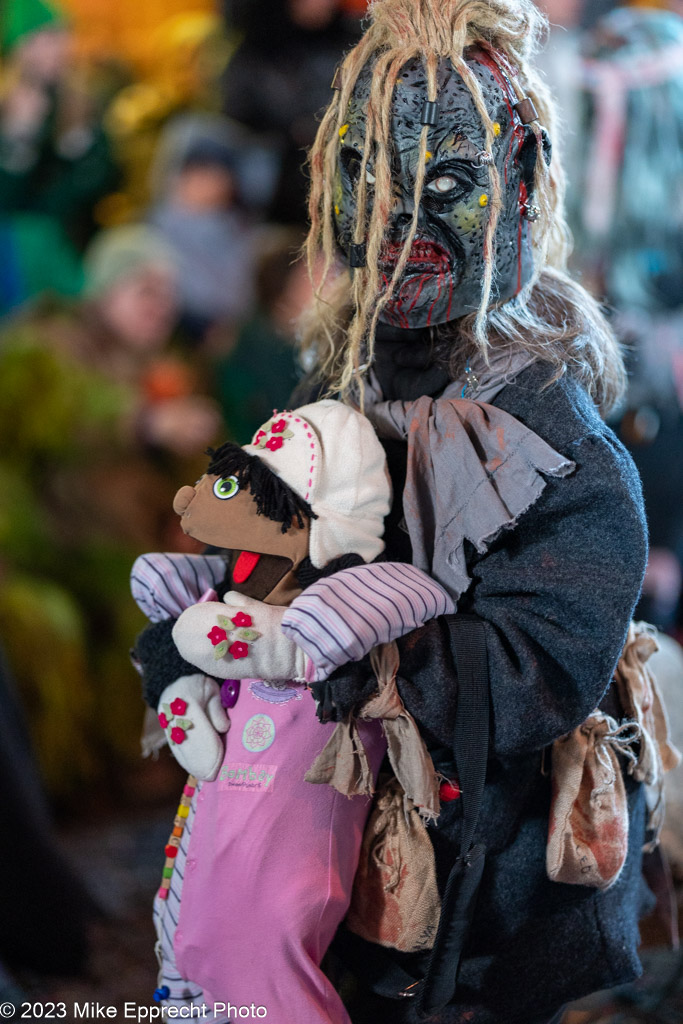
[[340, 618], [334, 621], [163, 585]]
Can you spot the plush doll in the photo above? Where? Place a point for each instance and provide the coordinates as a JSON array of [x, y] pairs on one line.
[[261, 862]]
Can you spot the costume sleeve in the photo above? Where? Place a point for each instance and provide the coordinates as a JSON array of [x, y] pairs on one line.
[[556, 594], [157, 658]]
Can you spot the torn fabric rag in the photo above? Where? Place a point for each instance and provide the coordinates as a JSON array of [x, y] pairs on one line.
[[472, 470]]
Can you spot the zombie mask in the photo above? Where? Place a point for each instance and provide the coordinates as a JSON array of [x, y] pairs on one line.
[[444, 274]]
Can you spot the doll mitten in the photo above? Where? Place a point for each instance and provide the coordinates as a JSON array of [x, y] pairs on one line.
[[193, 718], [342, 617], [239, 638]]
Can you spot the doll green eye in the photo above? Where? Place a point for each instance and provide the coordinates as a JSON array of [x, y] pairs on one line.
[[226, 487]]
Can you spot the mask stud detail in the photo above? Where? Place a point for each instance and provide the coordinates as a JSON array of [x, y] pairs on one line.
[[430, 113], [526, 110], [357, 255]]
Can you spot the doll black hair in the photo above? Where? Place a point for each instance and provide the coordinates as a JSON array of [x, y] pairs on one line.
[[274, 498]]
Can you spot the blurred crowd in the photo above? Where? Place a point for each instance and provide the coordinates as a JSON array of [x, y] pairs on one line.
[[152, 211]]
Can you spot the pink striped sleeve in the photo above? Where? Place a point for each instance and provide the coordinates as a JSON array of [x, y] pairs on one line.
[[342, 617], [164, 585]]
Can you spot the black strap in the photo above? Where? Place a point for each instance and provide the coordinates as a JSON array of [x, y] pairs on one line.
[[471, 742]]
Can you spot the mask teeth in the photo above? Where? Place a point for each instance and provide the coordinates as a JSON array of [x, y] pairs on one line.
[[484, 158]]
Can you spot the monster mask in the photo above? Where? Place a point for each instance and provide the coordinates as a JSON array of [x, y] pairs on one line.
[[443, 278]]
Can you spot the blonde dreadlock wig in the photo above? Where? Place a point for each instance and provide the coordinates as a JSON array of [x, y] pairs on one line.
[[432, 178]]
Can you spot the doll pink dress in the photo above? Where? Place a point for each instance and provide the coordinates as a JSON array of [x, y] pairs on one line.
[[270, 863], [265, 868]]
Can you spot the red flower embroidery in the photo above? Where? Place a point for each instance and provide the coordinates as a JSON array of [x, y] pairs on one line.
[[242, 619], [239, 649], [278, 427], [259, 435], [163, 721], [217, 636], [179, 706], [178, 734], [274, 443]]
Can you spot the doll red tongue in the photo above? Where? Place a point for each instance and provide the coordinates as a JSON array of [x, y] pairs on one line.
[[244, 566]]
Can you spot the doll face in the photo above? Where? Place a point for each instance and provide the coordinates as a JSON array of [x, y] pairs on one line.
[[216, 511], [443, 277]]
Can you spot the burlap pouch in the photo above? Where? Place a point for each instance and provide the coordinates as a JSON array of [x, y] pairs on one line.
[[395, 900], [588, 830], [641, 700], [343, 762]]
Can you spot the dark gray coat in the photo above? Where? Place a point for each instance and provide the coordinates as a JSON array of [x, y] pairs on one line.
[[555, 594]]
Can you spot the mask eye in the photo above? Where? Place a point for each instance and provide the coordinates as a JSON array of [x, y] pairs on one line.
[[350, 160], [446, 183], [226, 487]]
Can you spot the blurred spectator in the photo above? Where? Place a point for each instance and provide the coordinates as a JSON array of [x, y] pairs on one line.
[[54, 157], [629, 243], [199, 212], [185, 56], [95, 416], [260, 373], [279, 79]]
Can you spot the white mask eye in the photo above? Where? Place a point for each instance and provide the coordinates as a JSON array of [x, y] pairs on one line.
[[226, 487], [446, 183], [369, 176]]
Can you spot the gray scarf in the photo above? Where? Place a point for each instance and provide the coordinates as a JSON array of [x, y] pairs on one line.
[[472, 468]]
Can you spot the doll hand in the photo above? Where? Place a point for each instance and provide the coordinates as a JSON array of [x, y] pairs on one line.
[[238, 639], [192, 716], [340, 618]]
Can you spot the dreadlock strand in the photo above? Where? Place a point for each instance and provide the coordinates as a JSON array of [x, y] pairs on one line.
[[495, 206], [366, 280], [417, 198]]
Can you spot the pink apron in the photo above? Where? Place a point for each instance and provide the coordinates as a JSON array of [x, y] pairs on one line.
[[271, 862]]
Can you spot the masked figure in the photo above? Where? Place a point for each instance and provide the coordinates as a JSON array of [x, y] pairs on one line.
[[485, 370]]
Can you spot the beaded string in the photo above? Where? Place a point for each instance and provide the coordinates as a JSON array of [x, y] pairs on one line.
[[472, 382], [173, 844]]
